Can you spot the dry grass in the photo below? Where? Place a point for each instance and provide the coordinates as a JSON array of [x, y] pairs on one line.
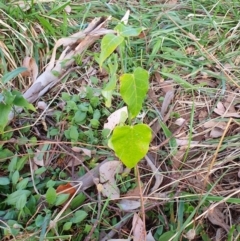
[[197, 44]]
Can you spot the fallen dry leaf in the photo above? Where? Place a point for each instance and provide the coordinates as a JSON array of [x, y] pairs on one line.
[[219, 234], [166, 102], [156, 173], [217, 128], [125, 17], [158, 77], [220, 110], [138, 228], [67, 189], [180, 121], [177, 158], [39, 156], [202, 115], [68, 9], [184, 142], [216, 132], [85, 151], [117, 117], [216, 217], [32, 68], [190, 235], [107, 174], [167, 86], [128, 204], [41, 105], [150, 236], [212, 123]]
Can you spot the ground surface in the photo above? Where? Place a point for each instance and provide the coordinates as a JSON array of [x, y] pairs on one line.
[[191, 52]]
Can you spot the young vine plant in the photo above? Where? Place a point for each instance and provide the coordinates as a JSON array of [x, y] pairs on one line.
[[129, 142]]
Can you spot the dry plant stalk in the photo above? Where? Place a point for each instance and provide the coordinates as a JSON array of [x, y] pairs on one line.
[[74, 45]]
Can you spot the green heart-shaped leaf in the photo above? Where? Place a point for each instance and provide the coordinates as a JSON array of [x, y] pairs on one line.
[[109, 43], [131, 143], [133, 89]]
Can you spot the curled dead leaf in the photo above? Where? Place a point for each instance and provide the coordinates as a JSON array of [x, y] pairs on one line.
[[216, 217], [117, 117], [128, 204], [82, 150], [211, 123], [41, 105], [216, 132], [32, 68], [67, 189], [166, 102], [107, 174], [68, 9], [125, 17], [220, 110], [180, 121], [184, 142], [190, 235], [139, 232], [150, 236]]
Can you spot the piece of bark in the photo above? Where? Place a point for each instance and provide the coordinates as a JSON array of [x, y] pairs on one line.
[[73, 45], [88, 179]]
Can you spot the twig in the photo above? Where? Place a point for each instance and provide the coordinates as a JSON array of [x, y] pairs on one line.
[[158, 176], [117, 227], [98, 214], [217, 150], [142, 204]]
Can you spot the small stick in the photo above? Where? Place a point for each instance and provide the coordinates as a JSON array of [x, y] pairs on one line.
[[88, 238], [142, 204], [217, 150]]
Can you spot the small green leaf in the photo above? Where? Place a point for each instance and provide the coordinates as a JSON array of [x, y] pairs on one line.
[[15, 177], [4, 181], [21, 162], [79, 117], [111, 85], [77, 201], [4, 154], [40, 170], [5, 110], [22, 184], [21, 101], [73, 133], [79, 216], [94, 123], [13, 197], [21, 202], [8, 97], [67, 226], [167, 236], [66, 96], [109, 43], [39, 220], [168, 134], [61, 198], [96, 114], [51, 195], [131, 143], [128, 31], [133, 88], [11, 75]]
